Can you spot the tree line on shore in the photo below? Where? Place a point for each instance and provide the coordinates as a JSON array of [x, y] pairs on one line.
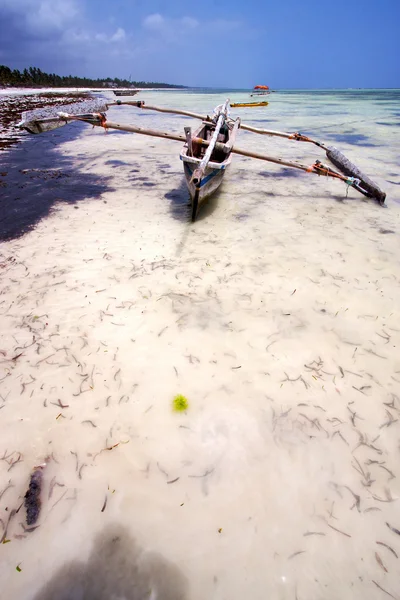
[[34, 77]]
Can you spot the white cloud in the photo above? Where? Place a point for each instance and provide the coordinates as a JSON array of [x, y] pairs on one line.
[[119, 35], [52, 13], [72, 36], [175, 30], [155, 22], [189, 22], [76, 36], [98, 37], [170, 30]]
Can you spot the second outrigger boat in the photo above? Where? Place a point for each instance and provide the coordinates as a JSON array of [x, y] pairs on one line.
[[206, 155]]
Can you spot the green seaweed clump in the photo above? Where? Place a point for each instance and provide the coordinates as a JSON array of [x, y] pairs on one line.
[[180, 403]]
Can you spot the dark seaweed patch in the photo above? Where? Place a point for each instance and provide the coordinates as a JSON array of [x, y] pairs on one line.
[[116, 163], [32, 497], [357, 139], [262, 121], [241, 216], [284, 172], [392, 124], [28, 195]]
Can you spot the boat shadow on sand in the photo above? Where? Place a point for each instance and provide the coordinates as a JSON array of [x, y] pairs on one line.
[[180, 204], [35, 176]]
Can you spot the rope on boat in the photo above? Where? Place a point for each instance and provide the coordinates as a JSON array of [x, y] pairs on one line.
[[299, 137], [324, 170], [219, 109]]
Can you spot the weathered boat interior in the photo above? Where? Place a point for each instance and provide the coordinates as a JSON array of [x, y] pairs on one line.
[[205, 133]]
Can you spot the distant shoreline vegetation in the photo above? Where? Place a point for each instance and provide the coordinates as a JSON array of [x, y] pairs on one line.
[[34, 77]]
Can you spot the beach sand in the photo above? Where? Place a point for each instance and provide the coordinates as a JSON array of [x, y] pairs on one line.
[[276, 315]]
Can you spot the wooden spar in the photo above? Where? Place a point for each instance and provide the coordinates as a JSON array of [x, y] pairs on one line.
[[99, 121], [271, 132], [368, 187], [218, 146], [151, 132], [141, 104], [172, 111], [229, 145], [199, 172]]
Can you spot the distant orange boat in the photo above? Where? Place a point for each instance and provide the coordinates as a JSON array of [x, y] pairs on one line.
[[260, 90]]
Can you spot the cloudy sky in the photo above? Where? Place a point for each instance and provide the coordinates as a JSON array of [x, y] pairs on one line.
[[235, 43]]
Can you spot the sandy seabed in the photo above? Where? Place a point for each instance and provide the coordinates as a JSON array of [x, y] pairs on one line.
[[277, 315]]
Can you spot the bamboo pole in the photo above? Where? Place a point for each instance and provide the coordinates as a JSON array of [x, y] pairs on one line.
[[99, 120], [368, 187], [172, 111], [271, 132], [142, 105], [218, 146], [151, 132]]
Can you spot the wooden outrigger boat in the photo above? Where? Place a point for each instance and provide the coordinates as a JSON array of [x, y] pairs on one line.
[[260, 90], [126, 92], [206, 155], [205, 167], [256, 94]]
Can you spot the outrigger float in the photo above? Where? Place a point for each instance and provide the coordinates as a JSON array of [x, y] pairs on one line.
[[207, 153]]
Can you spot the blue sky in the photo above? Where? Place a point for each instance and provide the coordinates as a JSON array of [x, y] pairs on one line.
[[235, 43]]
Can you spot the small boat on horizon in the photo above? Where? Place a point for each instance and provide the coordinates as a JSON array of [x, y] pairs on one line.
[[260, 90], [249, 104], [126, 92]]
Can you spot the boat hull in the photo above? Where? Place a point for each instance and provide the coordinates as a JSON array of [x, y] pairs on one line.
[[211, 181], [215, 168], [248, 104], [125, 93]]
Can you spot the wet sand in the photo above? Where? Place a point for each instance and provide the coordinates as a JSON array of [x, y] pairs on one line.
[[276, 314]]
